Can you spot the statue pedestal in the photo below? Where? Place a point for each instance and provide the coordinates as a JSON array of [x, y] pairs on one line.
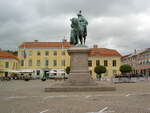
[[79, 78], [79, 74]]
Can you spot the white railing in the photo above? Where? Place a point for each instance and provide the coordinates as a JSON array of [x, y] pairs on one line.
[[132, 79]]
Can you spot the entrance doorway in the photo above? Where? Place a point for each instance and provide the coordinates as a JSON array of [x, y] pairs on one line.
[[6, 74], [46, 74]]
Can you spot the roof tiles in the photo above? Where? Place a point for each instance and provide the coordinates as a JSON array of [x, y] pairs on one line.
[[103, 52], [4, 54], [94, 51], [44, 44]]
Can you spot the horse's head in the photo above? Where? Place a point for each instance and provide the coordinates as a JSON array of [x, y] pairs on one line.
[[74, 21]]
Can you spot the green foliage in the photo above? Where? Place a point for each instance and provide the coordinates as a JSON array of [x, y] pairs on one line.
[[68, 70], [13, 52], [125, 68], [100, 69]]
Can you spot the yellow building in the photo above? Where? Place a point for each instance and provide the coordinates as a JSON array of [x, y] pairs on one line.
[[41, 57], [109, 58], [8, 63]]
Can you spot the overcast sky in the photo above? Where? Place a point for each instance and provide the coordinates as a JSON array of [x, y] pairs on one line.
[[123, 25]]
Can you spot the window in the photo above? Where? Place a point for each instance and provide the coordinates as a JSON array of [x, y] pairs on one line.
[[147, 62], [38, 62], [46, 53], [30, 53], [55, 53], [46, 62], [23, 53], [38, 72], [143, 61], [63, 74], [22, 62], [54, 63], [6, 64], [147, 55], [90, 63], [63, 62], [30, 62], [97, 62], [114, 63], [38, 53], [105, 63], [63, 53]]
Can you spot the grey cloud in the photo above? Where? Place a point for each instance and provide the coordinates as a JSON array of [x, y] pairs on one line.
[[112, 23], [93, 7]]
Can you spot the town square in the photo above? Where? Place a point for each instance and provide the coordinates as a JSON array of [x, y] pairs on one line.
[[74, 56], [29, 97]]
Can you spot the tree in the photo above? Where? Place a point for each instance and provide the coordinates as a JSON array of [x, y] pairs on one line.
[[13, 52], [99, 70], [68, 70], [125, 68]]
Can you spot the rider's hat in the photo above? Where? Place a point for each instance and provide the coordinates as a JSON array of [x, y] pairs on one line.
[[79, 14]]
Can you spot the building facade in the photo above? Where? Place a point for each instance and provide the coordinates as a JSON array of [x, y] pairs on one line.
[[42, 57], [8, 63], [109, 58], [139, 60]]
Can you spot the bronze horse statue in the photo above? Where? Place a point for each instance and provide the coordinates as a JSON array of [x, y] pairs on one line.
[[78, 32]]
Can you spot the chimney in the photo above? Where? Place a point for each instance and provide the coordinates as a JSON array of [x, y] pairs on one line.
[[64, 40], [95, 46], [35, 40], [135, 51]]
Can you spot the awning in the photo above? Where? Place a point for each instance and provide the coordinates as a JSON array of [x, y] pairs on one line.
[[56, 71], [10, 71], [25, 70]]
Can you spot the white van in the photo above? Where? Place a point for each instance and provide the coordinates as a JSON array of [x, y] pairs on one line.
[[57, 73]]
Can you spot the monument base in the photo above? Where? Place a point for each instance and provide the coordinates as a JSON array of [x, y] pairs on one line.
[[82, 88], [79, 78]]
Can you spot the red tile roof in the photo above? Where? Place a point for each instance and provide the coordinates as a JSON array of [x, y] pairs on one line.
[[44, 45], [4, 54], [125, 56], [103, 52], [94, 51]]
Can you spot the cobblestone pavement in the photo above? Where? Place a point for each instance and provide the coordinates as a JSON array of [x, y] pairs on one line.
[[17, 96]]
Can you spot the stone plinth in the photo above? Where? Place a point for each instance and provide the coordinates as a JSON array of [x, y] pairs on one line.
[[79, 78], [79, 74]]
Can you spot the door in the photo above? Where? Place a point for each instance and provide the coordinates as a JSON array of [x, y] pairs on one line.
[[46, 74], [6, 74]]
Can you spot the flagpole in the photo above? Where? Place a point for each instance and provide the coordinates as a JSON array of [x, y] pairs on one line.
[[63, 61]]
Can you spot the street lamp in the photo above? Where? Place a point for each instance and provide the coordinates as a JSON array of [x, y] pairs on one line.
[[62, 60]]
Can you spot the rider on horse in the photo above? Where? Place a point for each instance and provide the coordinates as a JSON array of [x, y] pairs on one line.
[[83, 23], [78, 29]]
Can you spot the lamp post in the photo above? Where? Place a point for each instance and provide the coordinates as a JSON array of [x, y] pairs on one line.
[[62, 60]]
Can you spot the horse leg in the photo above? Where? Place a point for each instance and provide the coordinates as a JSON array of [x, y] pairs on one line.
[[84, 40], [81, 40], [76, 39], [79, 37]]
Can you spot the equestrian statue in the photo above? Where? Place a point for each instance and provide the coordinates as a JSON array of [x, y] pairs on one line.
[[78, 30]]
